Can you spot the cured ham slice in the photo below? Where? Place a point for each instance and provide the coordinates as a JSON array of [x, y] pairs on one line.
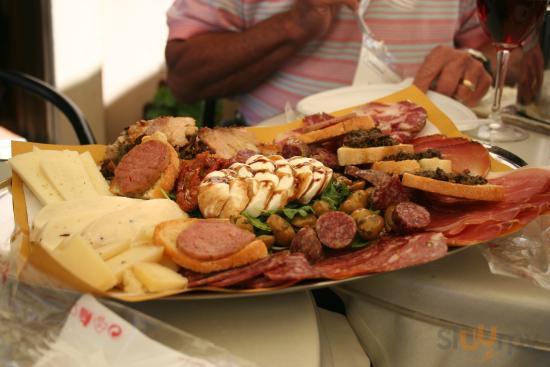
[[464, 154], [527, 195], [402, 120]]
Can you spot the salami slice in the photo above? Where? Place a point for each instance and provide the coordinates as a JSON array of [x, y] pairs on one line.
[[396, 118], [336, 229], [390, 193], [141, 167], [374, 177], [409, 217], [212, 239], [307, 243], [316, 118], [263, 282], [235, 276], [295, 267]]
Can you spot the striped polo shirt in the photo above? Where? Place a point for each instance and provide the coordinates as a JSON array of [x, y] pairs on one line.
[[410, 29]]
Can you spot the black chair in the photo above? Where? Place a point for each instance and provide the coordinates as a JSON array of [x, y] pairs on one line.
[[48, 92]]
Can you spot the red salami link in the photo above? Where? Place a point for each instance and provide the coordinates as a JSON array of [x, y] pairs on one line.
[[409, 217], [235, 276], [307, 243], [141, 167], [336, 229]]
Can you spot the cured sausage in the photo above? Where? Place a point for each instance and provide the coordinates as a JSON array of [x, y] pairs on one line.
[[295, 267], [316, 118], [293, 147], [336, 229], [307, 243], [374, 177], [403, 119], [408, 217], [211, 239], [238, 275], [389, 193], [141, 167]]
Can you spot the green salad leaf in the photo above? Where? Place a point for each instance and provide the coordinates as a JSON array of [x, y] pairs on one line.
[[335, 194], [293, 209], [257, 222]]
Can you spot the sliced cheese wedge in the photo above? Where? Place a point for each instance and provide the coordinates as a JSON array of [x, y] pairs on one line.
[[80, 259], [27, 166], [125, 260], [64, 170], [112, 250], [96, 178], [130, 283], [157, 278]]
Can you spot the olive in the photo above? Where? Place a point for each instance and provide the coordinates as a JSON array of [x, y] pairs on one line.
[[370, 226], [282, 230], [267, 239], [321, 207], [307, 221], [241, 222], [361, 195], [361, 213], [350, 205]]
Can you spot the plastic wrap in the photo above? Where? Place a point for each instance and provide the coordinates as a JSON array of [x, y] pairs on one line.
[[524, 255], [45, 327]]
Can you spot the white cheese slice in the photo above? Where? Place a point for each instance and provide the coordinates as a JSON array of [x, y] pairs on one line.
[[130, 283], [429, 164], [137, 254], [96, 178], [81, 260], [66, 173], [109, 251], [157, 278], [27, 166], [131, 224]]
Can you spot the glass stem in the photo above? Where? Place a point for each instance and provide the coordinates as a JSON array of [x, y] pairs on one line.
[[502, 66]]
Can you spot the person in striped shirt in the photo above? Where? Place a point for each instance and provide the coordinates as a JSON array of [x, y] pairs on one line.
[[267, 54]]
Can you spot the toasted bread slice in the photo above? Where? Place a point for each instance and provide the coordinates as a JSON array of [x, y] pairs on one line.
[[338, 129], [397, 167], [166, 234], [485, 192], [349, 156], [166, 181]]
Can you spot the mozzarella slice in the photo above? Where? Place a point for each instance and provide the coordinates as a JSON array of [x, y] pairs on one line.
[[213, 193], [238, 198], [259, 202]]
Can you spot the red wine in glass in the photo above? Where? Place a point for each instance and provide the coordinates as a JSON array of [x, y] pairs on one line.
[[509, 23]]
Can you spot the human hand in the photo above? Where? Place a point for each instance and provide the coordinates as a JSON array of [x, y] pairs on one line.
[[453, 73], [314, 17], [531, 75]]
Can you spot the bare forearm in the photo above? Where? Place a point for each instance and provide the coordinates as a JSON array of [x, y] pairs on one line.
[[221, 64]]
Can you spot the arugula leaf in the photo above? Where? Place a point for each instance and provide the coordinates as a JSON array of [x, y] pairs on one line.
[[291, 210], [335, 194], [257, 222], [168, 195]]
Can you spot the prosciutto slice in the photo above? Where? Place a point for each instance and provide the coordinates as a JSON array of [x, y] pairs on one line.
[[464, 154], [527, 195]]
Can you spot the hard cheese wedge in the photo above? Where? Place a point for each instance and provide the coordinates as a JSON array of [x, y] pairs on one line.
[[96, 178], [157, 278], [125, 260], [66, 173], [81, 260], [27, 166]]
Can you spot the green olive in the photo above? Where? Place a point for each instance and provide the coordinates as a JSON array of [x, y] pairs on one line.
[[321, 207], [342, 179], [387, 218], [282, 230], [370, 226], [350, 205], [360, 195], [241, 222], [361, 213], [307, 221]]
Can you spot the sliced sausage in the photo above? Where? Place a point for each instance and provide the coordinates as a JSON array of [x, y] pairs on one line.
[[390, 193], [307, 243], [212, 239], [336, 229], [293, 147], [141, 167], [409, 217]]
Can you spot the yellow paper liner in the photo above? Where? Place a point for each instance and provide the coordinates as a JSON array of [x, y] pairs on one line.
[[40, 259]]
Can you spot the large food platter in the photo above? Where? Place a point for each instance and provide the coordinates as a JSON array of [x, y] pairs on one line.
[[41, 260]]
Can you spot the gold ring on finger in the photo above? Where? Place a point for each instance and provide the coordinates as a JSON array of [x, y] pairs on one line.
[[468, 84]]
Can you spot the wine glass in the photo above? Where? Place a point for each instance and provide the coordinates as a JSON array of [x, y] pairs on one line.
[[509, 23]]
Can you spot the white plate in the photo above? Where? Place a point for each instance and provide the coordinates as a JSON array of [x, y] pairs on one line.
[[340, 98]]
